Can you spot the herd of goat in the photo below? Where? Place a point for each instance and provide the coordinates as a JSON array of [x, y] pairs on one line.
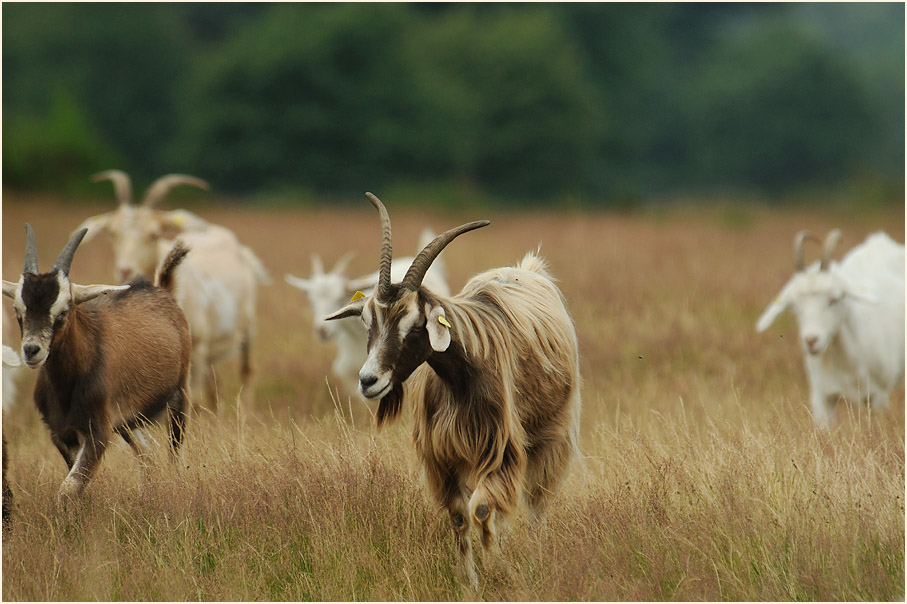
[[492, 373]]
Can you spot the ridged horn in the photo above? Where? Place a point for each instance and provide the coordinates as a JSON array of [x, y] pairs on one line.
[[31, 251], [163, 185], [802, 236], [420, 265], [122, 185], [828, 250], [382, 289], [64, 260]]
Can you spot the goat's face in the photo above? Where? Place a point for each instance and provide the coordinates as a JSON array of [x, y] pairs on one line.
[[326, 293], [135, 233], [42, 301], [403, 332], [819, 299]]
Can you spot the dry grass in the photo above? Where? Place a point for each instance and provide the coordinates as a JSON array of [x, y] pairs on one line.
[[704, 478]]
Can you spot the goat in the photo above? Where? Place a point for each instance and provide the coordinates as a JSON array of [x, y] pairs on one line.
[[493, 381], [110, 358], [329, 291], [10, 360], [218, 281], [851, 321], [10, 364]]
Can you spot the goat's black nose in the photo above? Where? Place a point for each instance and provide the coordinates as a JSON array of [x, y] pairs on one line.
[[30, 350], [367, 380]]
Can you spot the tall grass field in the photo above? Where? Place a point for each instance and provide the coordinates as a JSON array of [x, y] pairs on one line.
[[702, 477]]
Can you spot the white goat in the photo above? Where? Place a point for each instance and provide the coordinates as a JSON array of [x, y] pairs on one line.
[[217, 283], [330, 291], [494, 387], [11, 368], [10, 361], [851, 320]]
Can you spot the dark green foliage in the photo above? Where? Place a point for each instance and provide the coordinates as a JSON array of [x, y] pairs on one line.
[[596, 102]]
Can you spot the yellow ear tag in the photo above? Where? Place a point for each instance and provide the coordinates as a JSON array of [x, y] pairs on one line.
[[443, 321], [178, 220], [357, 295]]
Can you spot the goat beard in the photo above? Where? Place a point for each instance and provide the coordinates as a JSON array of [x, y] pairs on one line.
[[389, 407]]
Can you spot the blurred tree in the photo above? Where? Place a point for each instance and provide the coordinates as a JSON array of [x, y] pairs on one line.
[[506, 102], [117, 61], [778, 110], [54, 151], [304, 107]]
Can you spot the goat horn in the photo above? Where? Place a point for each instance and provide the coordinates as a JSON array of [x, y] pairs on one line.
[[831, 242], [801, 237], [31, 251], [317, 265], [122, 185], [382, 290], [344, 261], [419, 267], [64, 260], [159, 188]]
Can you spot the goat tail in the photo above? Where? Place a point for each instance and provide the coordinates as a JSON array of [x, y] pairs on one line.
[[165, 277]]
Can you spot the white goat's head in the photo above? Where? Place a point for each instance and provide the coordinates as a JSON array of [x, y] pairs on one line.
[[327, 292], [405, 322], [43, 301], [135, 229], [817, 295]]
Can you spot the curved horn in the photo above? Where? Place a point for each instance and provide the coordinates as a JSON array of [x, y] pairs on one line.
[[419, 267], [382, 290], [828, 250], [122, 185], [31, 251], [64, 260], [801, 237], [159, 188]]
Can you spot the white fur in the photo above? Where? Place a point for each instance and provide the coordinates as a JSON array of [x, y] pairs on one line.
[[851, 324]]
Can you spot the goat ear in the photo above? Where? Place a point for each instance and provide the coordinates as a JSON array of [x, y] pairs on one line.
[[95, 225], [303, 284], [84, 293], [778, 305], [9, 288], [438, 328], [353, 309]]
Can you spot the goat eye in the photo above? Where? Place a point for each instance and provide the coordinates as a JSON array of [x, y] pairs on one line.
[[835, 300]]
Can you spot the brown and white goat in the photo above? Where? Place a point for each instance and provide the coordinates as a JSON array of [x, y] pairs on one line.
[[111, 358], [493, 381]]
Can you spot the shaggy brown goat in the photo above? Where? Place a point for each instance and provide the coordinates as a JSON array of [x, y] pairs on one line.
[[111, 358], [495, 384]]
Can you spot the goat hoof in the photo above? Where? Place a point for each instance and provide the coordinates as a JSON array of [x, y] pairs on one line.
[[457, 521], [482, 512]]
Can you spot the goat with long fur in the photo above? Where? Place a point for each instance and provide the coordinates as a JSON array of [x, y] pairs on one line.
[[494, 384], [331, 290], [851, 321], [110, 358], [217, 283]]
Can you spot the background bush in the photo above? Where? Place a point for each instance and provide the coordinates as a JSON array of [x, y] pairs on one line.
[[518, 103]]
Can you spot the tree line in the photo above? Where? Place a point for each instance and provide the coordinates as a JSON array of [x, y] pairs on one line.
[[519, 103]]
